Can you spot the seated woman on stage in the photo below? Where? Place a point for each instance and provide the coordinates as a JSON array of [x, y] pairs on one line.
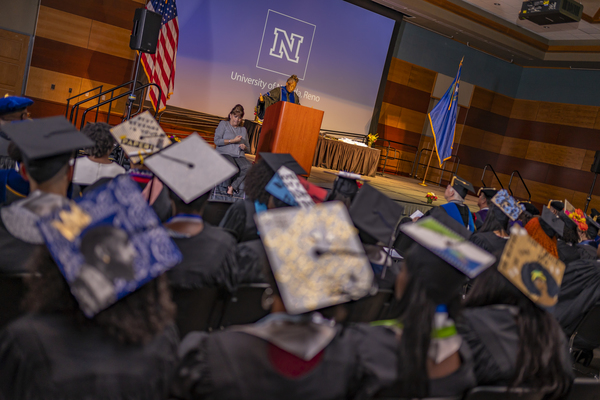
[[231, 140]]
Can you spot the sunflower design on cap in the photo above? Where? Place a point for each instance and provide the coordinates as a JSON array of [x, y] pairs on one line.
[[579, 218]]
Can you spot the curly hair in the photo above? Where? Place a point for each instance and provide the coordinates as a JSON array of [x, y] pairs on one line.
[[135, 319], [99, 132], [257, 178]]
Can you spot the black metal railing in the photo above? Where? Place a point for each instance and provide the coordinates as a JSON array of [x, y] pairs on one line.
[[493, 172], [443, 169], [81, 94], [522, 181], [397, 154]]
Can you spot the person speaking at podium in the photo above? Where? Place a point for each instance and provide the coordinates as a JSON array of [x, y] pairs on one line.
[[282, 93]]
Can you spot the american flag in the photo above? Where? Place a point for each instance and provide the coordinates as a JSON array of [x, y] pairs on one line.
[[160, 67]]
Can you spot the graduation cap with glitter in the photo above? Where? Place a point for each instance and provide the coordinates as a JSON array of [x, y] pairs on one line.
[[533, 270], [449, 246], [461, 186], [47, 144], [107, 244], [508, 204], [376, 214], [190, 167], [293, 189], [140, 136], [316, 256]]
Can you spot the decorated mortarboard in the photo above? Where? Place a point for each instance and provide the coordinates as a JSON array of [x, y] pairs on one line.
[[508, 204], [316, 256], [568, 206], [530, 208], [375, 214], [317, 193], [286, 187], [140, 136], [593, 226], [555, 223], [449, 246], [556, 204], [534, 271], [461, 186], [277, 160], [570, 223], [578, 217], [190, 167], [487, 192], [46, 137], [108, 243], [9, 104]]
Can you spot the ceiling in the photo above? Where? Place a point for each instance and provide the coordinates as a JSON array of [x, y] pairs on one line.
[[493, 27]]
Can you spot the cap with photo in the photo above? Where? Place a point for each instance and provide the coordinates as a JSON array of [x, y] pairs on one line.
[[461, 186], [533, 270], [190, 167], [140, 136], [554, 222], [375, 214], [46, 144], [277, 160], [449, 246], [316, 256], [108, 243], [487, 192], [508, 204]]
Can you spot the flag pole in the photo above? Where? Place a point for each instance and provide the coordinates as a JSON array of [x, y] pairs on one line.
[[427, 169]]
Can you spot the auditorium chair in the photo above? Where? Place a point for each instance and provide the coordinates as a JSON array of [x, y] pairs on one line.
[[369, 308], [588, 331], [244, 305], [585, 389], [197, 309], [502, 393], [12, 291]]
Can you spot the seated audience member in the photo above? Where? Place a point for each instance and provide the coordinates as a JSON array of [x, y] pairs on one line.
[[545, 230], [345, 187], [155, 193], [12, 108], [556, 206], [455, 195], [568, 251], [525, 217], [49, 174], [294, 352], [231, 141], [13, 186], [239, 219], [589, 245], [96, 164], [514, 341], [484, 198]]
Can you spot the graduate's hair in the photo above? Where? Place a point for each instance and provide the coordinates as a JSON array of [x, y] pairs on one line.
[[495, 220], [539, 360], [292, 78], [432, 282], [257, 178], [99, 132], [570, 235], [238, 111], [194, 207], [135, 319]]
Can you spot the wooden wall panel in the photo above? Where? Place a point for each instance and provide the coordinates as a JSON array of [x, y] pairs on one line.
[[114, 12], [472, 137], [117, 106], [492, 142], [421, 79], [412, 120], [502, 105], [525, 109], [111, 40], [399, 71], [482, 99], [549, 113], [557, 155], [63, 27], [588, 160], [38, 85], [578, 115], [514, 147], [406, 97], [13, 59], [390, 115]]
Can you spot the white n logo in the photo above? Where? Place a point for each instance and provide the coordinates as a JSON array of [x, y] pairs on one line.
[[285, 44]]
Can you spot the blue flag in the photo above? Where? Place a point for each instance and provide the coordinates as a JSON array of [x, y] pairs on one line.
[[443, 120]]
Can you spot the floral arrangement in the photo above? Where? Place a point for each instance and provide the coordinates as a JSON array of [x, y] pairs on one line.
[[579, 218], [431, 196], [372, 139]]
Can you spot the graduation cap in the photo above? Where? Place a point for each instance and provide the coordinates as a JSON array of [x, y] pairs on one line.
[[449, 246], [534, 271], [140, 136], [555, 223], [316, 256], [508, 205], [568, 206], [375, 214], [108, 244], [286, 186], [578, 218], [595, 214], [461, 186], [487, 192], [277, 160], [567, 221], [593, 226], [47, 144], [530, 208], [190, 167], [556, 204], [348, 175], [9, 104]]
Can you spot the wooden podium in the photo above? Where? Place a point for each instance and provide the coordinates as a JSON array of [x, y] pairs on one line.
[[291, 128]]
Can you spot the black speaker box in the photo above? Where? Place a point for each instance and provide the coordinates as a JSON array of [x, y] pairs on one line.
[[596, 164], [146, 27]]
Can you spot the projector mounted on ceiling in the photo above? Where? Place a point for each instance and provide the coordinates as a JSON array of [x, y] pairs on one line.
[[548, 12]]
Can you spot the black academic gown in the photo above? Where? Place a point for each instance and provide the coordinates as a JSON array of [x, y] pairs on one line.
[[566, 252], [489, 241], [579, 292], [49, 357], [239, 221], [209, 260], [587, 252], [252, 261], [15, 252], [493, 337]]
